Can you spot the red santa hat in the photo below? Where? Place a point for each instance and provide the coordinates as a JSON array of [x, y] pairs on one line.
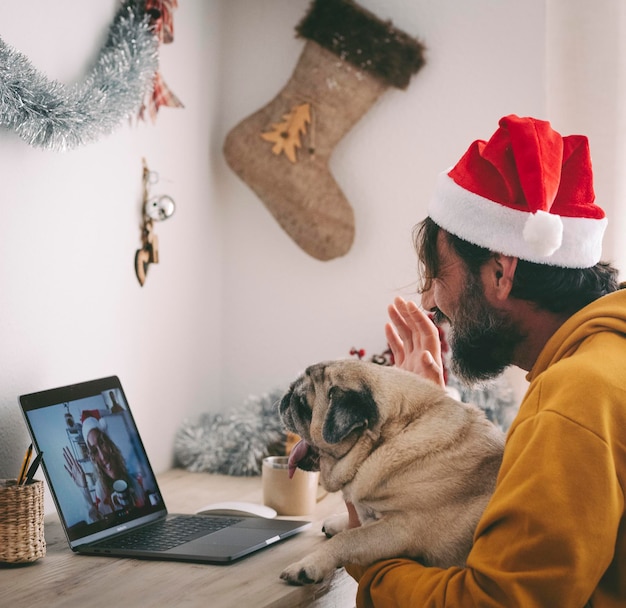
[[527, 192], [91, 420]]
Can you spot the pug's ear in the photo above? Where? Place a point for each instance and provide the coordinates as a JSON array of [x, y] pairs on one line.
[[348, 411]]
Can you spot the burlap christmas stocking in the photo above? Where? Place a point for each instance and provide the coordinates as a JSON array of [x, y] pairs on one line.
[[282, 151]]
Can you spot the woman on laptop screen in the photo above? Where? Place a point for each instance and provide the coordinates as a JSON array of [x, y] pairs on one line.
[[109, 486]]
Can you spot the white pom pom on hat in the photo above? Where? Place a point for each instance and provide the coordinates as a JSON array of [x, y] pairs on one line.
[[527, 192], [543, 232]]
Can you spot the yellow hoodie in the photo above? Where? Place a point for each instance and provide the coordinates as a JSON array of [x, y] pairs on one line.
[[554, 532]]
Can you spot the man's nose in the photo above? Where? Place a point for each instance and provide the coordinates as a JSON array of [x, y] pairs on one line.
[[428, 301]]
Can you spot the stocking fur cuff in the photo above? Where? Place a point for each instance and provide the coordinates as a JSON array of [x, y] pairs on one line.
[[359, 37]]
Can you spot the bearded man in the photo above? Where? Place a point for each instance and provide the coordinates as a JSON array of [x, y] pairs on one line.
[[510, 258]]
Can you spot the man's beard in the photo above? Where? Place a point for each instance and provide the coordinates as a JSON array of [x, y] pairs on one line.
[[482, 338]]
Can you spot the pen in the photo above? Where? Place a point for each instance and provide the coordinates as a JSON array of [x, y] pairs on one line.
[[27, 457], [33, 468]]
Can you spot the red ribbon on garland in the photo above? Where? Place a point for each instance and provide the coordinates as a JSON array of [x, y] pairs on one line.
[[162, 24]]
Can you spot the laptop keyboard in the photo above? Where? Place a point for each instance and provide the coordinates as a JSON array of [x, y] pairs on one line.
[[164, 535]]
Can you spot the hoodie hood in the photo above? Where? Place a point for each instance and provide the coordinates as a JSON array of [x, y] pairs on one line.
[[605, 314]]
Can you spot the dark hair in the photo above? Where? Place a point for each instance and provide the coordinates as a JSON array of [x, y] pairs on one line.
[[552, 288]]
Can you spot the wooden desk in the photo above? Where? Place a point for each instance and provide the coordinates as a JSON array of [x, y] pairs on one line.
[[66, 580]]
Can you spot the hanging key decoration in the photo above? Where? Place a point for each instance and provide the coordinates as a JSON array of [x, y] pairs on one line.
[[156, 208]]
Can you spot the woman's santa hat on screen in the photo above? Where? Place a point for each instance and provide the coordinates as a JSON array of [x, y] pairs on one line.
[[527, 192], [91, 420]]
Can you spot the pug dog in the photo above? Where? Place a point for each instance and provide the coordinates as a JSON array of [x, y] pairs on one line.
[[418, 466]]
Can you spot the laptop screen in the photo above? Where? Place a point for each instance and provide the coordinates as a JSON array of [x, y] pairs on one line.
[[93, 457]]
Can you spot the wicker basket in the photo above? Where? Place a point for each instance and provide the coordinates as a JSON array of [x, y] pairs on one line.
[[21, 521]]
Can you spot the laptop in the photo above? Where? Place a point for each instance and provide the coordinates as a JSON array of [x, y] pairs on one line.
[[106, 493]]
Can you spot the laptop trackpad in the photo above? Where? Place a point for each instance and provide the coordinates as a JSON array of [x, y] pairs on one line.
[[234, 537]]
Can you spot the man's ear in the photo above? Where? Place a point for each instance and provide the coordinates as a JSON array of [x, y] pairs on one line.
[[499, 273]]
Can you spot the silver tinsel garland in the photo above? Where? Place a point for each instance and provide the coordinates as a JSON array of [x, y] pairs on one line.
[[495, 397], [51, 115], [233, 443]]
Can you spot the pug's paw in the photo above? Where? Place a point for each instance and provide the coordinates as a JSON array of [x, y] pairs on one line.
[[335, 524], [307, 571]]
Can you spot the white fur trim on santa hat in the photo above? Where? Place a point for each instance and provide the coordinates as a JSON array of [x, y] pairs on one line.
[[486, 223], [91, 423]]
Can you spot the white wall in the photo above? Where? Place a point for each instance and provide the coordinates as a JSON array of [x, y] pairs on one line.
[[284, 309], [71, 308], [234, 307], [586, 90]]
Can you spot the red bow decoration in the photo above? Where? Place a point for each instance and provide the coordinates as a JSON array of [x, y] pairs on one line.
[[162, 24]]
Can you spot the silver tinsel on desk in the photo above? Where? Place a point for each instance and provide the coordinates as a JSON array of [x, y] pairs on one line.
[[50, 115], [233, 443]]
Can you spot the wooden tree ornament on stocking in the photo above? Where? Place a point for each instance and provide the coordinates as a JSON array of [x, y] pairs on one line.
[[282, 151]]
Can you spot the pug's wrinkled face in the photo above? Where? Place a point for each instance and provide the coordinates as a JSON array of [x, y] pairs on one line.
[[329, 406]]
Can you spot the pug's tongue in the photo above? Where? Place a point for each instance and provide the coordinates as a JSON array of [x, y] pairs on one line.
[[298, 453]]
